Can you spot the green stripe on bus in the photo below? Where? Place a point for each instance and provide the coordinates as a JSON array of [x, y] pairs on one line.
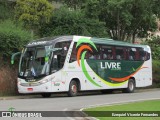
[[85, 71]]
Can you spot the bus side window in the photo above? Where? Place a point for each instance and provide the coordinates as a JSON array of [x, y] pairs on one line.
[[104, 54], [132, 53], [120, 53], [147, 56], [73, 54], [142, 54], [107, 52], [98, 54], [61, 55]]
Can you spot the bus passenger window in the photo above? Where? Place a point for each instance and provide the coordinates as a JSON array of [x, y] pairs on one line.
[[73, 54], [104, 56], [147, 56], [132, 53], [142, 54], [61, 54], [98, 53], [120, 53], [107, 53], [91, 55]]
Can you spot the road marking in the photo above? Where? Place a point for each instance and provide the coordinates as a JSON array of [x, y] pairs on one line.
[[69, 118]]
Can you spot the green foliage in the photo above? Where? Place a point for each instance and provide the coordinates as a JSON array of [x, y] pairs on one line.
[[125, 19], [154, 43], [156, 8], [6, 10], [12, 38], [33, 12], [75, 4], [73, 22], [156, 69]]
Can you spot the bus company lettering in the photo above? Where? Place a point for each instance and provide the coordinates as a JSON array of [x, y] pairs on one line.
[[110, 65], [37, 43]]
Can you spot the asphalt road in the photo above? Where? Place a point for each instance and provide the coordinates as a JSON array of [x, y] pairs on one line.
[[64, 103]]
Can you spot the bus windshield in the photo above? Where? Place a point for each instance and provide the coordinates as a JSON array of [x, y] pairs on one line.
[[34, 62]]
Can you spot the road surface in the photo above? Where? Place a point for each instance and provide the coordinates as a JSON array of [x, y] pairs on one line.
[[64, 103]]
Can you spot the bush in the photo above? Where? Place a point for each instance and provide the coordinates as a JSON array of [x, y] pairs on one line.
[[156, 70], [12, 38]]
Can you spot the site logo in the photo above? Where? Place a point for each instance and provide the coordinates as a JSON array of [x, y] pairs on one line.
[[9, 113]]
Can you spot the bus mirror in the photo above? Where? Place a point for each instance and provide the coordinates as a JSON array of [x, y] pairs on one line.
[[46, 59], [13, 57]]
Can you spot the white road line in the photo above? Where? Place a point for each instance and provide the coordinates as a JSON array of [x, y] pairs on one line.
[[69, 118]]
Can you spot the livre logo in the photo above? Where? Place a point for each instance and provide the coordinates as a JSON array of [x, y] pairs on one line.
[[110, 65]]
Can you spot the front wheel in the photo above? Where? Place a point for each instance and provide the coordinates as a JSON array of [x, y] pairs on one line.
[[131, 87], [73, 89]]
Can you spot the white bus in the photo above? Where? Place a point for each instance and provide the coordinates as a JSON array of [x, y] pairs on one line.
[[77, 63]]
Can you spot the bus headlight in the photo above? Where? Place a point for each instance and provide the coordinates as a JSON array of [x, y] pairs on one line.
[[44, 81]]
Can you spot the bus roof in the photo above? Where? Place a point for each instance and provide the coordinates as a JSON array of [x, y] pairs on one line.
[[107, 41], [114, 42]]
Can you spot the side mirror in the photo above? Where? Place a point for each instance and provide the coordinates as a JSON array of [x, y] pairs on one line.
[[13, 56]]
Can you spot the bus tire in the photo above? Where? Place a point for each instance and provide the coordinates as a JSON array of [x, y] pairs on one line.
[[73, 89], [46, 95], [131, 86]]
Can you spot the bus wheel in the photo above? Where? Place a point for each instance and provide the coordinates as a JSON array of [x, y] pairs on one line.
[[73, 89], [46, 95], [131, 87]]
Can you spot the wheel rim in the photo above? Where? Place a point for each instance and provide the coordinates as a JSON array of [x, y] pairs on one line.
[[74, 88], [131, 86]]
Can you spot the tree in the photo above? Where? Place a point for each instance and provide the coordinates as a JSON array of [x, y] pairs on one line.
[[6, 10], [156, 8], [75, 4], [154, 43], [73, 22], [125, 19], [33, 13], [12, 38]]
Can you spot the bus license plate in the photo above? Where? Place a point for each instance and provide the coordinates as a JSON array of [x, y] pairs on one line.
[[30, 89]]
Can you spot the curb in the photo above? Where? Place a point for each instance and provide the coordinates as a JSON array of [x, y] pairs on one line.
[[18, 97]]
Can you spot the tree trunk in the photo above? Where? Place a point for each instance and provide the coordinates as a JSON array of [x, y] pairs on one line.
[[118, 25], [133, 37]]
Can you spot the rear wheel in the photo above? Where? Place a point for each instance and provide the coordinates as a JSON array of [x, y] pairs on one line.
[[73, 89], [131, 87], [46, 95]]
